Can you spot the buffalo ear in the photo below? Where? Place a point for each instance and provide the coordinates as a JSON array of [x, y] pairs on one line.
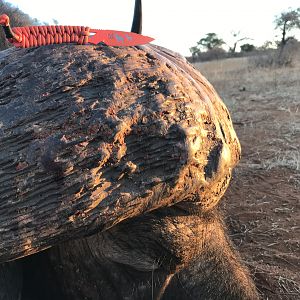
[[137, 17]]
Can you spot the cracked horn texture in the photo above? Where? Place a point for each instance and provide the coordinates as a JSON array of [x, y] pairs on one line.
[[93, 135]]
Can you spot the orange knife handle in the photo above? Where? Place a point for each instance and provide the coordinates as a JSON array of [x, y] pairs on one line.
[[34, 36]]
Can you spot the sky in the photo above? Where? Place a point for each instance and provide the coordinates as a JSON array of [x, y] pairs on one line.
[[174, 24]]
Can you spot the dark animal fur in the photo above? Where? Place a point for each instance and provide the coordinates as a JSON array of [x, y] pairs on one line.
[[166, 254]]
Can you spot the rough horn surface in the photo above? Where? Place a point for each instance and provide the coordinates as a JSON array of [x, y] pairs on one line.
[[93, 135]]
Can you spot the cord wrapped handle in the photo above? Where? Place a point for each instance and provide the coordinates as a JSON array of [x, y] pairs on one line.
[[33, 36]]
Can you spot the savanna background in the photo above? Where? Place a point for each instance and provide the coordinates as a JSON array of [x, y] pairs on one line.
[[262, 203], [261, 87]]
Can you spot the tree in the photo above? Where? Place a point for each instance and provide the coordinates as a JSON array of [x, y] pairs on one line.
[[211, 41], [17, 18], [286, 22], [237, 39], [195, 52], [247, 47], [267, 45]]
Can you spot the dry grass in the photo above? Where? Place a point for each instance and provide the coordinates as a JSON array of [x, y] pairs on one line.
[[272, 91], [263, 200]]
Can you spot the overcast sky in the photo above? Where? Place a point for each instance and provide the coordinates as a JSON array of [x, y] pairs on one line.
[[174, 24]]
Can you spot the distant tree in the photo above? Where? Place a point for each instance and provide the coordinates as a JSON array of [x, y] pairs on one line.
[[195, 52], [214, 54], [237, 39], [211, 41], [17, 18], [247, 47], [267, 45], [286, 22]]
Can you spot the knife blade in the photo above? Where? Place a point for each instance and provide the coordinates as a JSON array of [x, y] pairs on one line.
[[117, 38]]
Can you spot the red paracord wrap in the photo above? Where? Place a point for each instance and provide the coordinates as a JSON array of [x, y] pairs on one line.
[[33, 36]]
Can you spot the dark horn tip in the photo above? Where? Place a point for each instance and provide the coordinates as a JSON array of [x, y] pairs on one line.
[[137, 17]]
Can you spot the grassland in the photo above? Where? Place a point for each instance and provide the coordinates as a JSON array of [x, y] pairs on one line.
[[263, 201]]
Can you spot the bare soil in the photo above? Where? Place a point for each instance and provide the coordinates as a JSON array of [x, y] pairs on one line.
[[262, 204]]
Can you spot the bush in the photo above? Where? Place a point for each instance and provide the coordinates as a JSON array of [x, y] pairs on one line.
[[281, 57], [286, 56], [247, 47], [17, 18], [213, 54]]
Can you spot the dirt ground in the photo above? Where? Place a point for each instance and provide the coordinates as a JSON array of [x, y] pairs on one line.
[[262, 205]]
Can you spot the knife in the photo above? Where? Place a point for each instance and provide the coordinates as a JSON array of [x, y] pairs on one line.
[[33, 36], [117, 38]]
